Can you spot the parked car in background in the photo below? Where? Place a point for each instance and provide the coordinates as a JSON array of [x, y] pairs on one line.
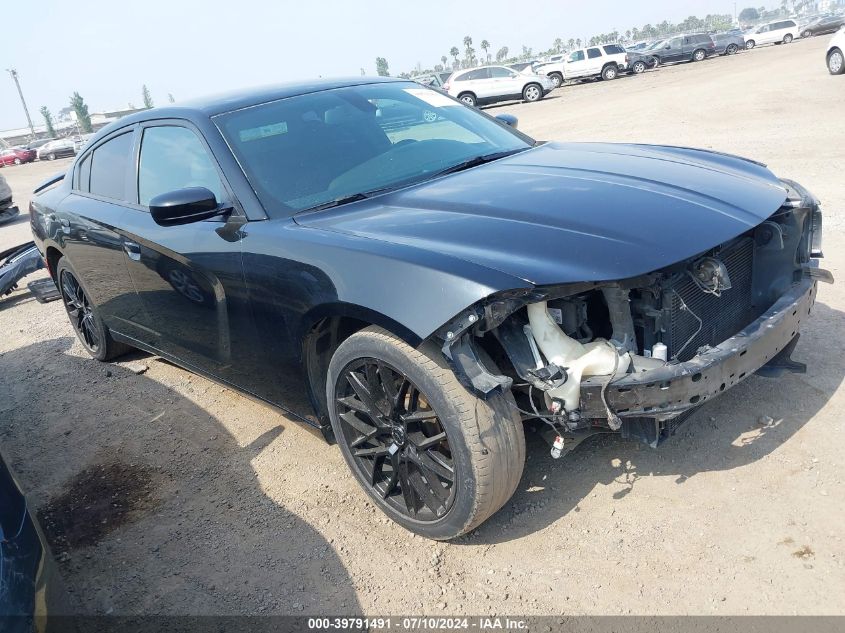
[[835, 56], [639, 45], [526, 68], [80, 141], [8, 211], [491, 84], [692, 47], [729, 43], [57, 149], [377, 284], [433, 80], [17, 156], [639, 62], [822, 26], [595, 61], [780, 32], [38, 143]]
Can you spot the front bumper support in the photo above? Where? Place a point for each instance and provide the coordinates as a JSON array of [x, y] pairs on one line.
[[668, 391]]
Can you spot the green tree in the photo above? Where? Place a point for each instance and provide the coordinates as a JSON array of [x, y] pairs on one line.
[[558, 45], [502, 54], [146, 97], [170, 98], [578, 42], [485, 46], [80, 108], [454, 52], [749, 14], [443, 61], [48, 121], [571, 43], [382, 69]]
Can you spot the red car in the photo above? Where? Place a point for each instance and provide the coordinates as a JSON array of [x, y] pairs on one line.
[[17, 156]]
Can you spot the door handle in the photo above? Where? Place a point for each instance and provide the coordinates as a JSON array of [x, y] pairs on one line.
[[133, 250]]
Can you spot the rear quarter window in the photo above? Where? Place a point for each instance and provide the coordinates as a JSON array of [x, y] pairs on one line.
[[613, 49], [108, 167]]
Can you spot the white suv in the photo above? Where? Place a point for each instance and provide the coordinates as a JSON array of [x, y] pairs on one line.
[[489, 84], [595, 61], [782, 31]]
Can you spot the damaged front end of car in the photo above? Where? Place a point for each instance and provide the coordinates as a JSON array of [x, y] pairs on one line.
[[637, 355]]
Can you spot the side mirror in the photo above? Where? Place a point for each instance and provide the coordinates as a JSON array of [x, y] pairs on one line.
[[667, 47], [183, 206], [508, 119]]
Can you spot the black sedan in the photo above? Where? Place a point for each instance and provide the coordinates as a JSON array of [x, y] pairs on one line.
[[417, 291], [822, 26]]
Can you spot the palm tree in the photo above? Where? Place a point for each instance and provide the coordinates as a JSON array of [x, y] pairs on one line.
[[454, 52], [485, 45], [558, 45], [571, 43], [467, 44], [578, 42], [444, 59], [502, 54]]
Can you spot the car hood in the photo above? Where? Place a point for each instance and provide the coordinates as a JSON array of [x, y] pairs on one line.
[[566, 212]]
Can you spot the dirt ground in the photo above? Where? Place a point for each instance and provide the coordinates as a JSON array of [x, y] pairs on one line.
[[166, 493]]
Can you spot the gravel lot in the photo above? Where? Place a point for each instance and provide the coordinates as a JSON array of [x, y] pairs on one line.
[[166, 493]]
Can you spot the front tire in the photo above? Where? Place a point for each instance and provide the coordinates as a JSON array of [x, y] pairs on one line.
[[699, 55], [638, 67], [17, 161], [732, 49], [532, 93], [433, 457], [807, 33], [85, 317], [787, 39], [468, 99], [556, 79], [51, 156], [749, 45], [836, 62]]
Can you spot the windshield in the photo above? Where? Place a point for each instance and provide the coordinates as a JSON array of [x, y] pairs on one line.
[[657, 45], [310, 150]]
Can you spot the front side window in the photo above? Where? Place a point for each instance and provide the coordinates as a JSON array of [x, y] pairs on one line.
[[108, 167], [310, 150], [592, 53], [174, 158], [577, 56]]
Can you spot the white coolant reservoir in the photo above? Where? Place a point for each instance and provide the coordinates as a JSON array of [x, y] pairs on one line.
[[593, 359]]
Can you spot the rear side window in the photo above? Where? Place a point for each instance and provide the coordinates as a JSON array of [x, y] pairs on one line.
[[613, 49], [496, 72], [108, 167], [592, 53], [174, 158]]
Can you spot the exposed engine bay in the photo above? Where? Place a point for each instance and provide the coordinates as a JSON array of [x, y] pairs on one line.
[[637, 355]]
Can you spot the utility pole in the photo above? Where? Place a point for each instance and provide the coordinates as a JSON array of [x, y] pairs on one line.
[[14, 74]]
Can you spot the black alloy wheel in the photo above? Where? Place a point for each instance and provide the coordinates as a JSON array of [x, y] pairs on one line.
[[81, 313], [396, 439]]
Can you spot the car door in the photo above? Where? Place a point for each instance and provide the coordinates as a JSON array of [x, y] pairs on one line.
[[504, 81], [189, 277], [594, 61], [89, 221], [764, 34], [575, 65], [673, 51]]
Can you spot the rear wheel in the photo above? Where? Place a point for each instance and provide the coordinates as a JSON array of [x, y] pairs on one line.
[[699, 55], [467, 98], [807, 33], [638, 67], [556, 79], [51, 156], [836, 62], [433, 457], [732, 49], [532, 92], [609, 72], [749, 45], [84, 316], [17, 161], [787, 39]]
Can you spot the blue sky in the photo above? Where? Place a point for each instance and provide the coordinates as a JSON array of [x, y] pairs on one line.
[[106, 50]]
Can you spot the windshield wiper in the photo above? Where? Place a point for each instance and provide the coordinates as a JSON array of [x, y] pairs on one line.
[[477, 160], [355, 197]]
